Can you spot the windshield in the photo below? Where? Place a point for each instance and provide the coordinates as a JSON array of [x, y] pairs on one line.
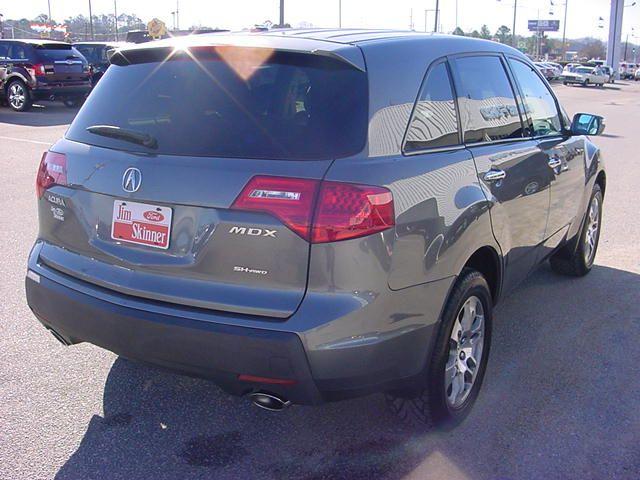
[[584, 70], [286, 106]]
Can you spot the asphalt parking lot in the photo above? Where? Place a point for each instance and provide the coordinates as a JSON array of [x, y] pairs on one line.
[[560, 399]]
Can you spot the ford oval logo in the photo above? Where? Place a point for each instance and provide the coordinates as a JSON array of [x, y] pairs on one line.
[[131, 180], [153, 216]]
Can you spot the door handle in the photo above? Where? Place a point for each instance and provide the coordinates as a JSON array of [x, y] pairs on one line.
[[494, 175], [555, 162]]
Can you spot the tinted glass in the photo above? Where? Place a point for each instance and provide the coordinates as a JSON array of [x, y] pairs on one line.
[[488, 108], [17, 52], [538, 101], [95, 54], [52, 52], [434, 122], [240, 104]]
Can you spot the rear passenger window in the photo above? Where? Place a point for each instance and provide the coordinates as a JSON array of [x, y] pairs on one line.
[[538, 101], [488, 108], [434, 122]]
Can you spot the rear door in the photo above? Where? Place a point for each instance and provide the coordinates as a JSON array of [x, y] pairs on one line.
[[510, 165], [177, 221]]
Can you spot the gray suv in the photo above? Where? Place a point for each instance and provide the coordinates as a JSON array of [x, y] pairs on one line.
[[311, 215]]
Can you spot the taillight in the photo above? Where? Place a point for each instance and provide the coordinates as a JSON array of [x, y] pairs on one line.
[[52, 171], [38, 69], [347, 211], [342, 210]]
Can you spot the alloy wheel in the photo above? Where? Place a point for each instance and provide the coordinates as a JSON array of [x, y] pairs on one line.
[[593, 227], [465, 352], [17, 96]]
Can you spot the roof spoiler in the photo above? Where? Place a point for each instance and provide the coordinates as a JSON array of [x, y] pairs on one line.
[[350, 56]]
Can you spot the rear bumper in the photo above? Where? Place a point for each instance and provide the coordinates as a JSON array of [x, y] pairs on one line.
[[204, 349], [61, 90]]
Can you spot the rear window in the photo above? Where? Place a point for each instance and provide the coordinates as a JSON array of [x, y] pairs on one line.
[[232, 102], [93, 53], [53, 51]]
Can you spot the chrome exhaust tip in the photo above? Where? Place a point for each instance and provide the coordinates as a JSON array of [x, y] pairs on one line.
[[269, 401]]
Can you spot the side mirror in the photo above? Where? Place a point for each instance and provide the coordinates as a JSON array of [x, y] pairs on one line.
[[587, 124]]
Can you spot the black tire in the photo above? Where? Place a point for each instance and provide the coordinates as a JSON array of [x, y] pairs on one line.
[[585, 83], [564, 83], [73, 102], [426, 405], [571, 259], [16, 86]]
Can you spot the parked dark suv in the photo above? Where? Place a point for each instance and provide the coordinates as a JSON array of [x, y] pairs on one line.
[[312, 215], [32, 70], [96, 54]]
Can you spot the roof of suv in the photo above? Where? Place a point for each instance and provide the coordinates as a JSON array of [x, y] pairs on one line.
[[338, 43], [35, 41]]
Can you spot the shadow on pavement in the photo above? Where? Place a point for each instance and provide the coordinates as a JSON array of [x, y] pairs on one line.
[[41, 115], [558, 402]]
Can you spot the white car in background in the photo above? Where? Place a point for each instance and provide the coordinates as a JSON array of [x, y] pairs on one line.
[[636, 77], [585, 76]]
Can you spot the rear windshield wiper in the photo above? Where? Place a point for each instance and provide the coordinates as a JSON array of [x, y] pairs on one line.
[[132, 136]]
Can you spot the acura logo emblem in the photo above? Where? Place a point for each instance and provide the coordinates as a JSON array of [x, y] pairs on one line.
[[131, 180]]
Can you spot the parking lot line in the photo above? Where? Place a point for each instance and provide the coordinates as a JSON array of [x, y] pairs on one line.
[[25, 140]]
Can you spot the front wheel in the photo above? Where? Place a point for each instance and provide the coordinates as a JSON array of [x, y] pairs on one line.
[[576, 258], [458, 362], [18, 96]]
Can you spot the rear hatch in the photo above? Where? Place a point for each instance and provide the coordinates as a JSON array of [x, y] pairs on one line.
[[62, 63], [157, 199]]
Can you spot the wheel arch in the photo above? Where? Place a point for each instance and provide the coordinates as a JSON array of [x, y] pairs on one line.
[[601, 180], [486, 260]]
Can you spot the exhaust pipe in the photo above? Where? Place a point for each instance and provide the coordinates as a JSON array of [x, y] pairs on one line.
[[269, 401]]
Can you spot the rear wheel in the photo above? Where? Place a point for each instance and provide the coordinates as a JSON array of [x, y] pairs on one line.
[[458, 362], [576, 258], [18, 96]]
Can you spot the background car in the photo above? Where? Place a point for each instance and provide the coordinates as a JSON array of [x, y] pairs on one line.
[[42, 69], [608, 71], [585, 76], [547, 71], [636, 77], [96, 54]]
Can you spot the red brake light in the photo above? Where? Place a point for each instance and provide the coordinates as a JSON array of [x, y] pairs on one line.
[[52, 171], [288, 199], [347, 211], [342, 211], [38, 69]]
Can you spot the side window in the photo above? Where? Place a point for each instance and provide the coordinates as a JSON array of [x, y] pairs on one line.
[[16, 52], [488, 108], [538, 101], [434, 122], [4, 51]]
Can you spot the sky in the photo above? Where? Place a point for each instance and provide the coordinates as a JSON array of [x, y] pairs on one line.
[[583, 17]]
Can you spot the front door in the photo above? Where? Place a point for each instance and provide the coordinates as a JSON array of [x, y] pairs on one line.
[[510, 165]]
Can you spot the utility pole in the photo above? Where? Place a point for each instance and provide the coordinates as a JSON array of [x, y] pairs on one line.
[[411, 20], [564, 31], [177, 14], [626, 45], [339, 13], [456, 13], [435, 28], [281, 13], [50, 21], [115, 16], [91, 20]]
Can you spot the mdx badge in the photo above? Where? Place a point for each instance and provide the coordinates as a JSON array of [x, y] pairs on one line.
[[131, 180], [253, 232]]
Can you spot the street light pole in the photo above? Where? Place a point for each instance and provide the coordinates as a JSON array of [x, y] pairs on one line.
[[564, 31], [281, 13], [626, 45], [91, 20], [115, 16], [339, 13], [513, 30], [435, 28]]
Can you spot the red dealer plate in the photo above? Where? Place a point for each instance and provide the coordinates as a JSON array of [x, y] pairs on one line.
[[141, 223]]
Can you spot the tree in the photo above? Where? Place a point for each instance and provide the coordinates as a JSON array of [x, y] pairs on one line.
[[593, 48], [458, 31], [475, 34], [485, 33], [503, 34]]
